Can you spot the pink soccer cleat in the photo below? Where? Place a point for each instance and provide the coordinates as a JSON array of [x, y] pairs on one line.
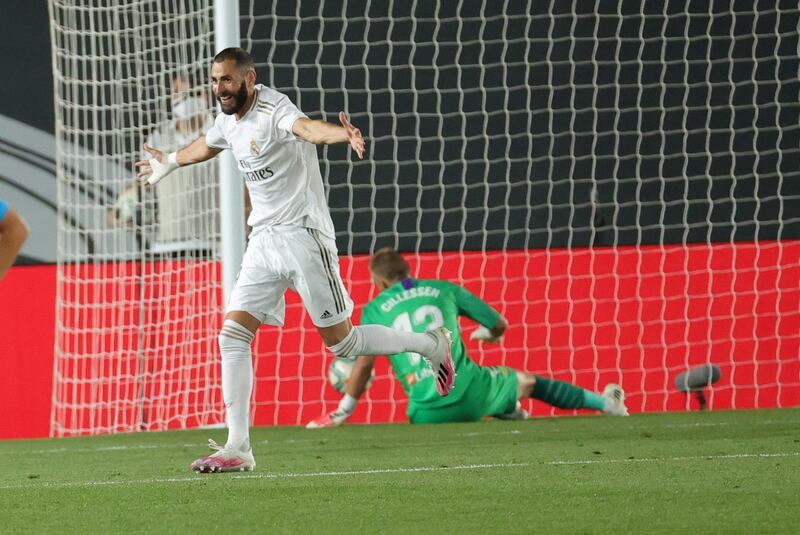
[[225, 460], [441, 361], [333, 419]]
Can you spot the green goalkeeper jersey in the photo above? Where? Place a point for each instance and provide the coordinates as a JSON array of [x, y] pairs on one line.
[[419, 306]]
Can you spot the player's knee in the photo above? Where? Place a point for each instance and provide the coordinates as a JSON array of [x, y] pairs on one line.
[[234, 339], [352, 345]]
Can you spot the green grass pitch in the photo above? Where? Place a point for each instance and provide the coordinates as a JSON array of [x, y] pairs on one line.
[[714, 472]]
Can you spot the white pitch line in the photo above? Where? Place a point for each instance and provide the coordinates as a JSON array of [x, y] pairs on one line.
[[673, 459], [267, 475], [378, 471]]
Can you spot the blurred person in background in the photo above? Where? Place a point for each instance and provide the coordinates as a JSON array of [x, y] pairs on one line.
[[185, 207]]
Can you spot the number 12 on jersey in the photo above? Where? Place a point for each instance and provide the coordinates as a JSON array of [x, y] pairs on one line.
[[424, 318]]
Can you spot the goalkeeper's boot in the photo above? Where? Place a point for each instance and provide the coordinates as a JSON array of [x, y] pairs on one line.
[[615, 400], [334, 419], [517, 414], [441, 361], [225, 460]]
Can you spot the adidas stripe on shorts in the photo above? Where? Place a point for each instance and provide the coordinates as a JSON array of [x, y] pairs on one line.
[[291, 257]]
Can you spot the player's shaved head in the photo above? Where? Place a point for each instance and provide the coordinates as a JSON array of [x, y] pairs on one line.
[[389, 265], [241, 57]]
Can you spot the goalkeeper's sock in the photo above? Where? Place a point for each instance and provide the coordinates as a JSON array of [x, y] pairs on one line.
[[237, 381], [381, 340], [593, 400], [565, 396]]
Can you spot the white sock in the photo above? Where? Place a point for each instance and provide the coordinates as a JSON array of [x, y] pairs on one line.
[[237, 381], [348, 404], [381, 340]]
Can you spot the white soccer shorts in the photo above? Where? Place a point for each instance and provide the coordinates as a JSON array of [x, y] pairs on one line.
[[291, 257]]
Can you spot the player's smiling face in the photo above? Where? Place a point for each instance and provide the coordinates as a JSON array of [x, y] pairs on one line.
[[231, 85]]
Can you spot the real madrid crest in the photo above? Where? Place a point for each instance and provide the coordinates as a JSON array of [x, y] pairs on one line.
[[254, 149]]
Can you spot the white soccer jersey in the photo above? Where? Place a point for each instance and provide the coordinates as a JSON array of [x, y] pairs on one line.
[[280, 170]]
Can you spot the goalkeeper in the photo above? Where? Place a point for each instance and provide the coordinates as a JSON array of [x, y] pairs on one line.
[[480, 391]]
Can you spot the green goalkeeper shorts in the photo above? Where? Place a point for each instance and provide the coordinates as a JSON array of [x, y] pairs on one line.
[[493, 391]]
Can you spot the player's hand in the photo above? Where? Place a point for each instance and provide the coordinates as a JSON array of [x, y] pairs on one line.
[[334, 419], [157, 167], [353, 136], [145, 169], [485, 335]]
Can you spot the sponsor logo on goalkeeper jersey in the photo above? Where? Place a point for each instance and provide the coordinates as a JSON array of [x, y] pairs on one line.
[[415, 377], [257, 176], [411, 293]]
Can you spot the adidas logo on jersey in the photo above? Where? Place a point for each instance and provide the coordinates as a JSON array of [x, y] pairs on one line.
[[325, 315]]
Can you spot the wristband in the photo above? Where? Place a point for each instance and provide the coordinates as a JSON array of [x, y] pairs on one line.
[[160, 170]]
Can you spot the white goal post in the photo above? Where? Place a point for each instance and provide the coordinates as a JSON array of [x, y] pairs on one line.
[[619, 179]]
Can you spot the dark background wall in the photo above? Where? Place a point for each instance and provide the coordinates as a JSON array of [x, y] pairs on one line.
[[26, 93], [27, 153], [596, 131], [607, 125]]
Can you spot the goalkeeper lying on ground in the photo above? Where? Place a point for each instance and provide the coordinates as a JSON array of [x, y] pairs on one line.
[[420, 305]]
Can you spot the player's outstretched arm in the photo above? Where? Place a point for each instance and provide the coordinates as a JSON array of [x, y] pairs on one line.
[[356, 384], [492, 325], [325, 133], [359, 376], [13, 233], [160, 165]]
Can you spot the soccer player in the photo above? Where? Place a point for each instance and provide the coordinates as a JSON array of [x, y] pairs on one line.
[[13, 233], [481, 391], [291, 246]]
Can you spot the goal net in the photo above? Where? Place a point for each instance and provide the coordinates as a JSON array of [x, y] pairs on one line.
[[138, 291], [620, 180]]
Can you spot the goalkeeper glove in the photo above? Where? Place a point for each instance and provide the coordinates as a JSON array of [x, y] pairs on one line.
[[160, 170], [334, 419], [484, 335]]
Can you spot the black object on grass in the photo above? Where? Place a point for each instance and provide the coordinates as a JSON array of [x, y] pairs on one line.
[[697, 379]]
